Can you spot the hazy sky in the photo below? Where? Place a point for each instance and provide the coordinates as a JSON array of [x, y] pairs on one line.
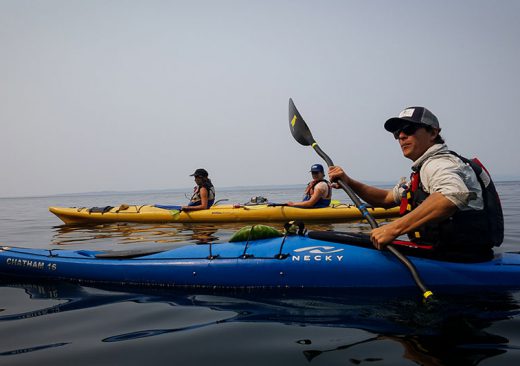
[[135, 95]]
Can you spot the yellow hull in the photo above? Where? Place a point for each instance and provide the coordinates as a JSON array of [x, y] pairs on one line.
[[218, 213]]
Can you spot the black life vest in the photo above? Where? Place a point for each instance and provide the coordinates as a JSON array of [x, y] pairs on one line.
[[196, 199], [322, 202], [471, 229]]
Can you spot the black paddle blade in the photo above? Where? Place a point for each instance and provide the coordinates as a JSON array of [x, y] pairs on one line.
[[299, 129]]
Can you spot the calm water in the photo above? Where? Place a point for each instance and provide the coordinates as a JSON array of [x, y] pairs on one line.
[[63, 324]]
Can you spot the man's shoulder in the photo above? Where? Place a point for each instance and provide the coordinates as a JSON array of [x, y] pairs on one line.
[[447, 170], [442, 161]]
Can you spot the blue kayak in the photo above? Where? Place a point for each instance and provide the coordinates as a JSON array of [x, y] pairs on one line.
[[293, 262]]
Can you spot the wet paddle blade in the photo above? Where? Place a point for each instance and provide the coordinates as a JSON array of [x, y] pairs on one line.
[[299, 129]]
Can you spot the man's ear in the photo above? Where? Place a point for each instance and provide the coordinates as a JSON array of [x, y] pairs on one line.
[[434, 133]]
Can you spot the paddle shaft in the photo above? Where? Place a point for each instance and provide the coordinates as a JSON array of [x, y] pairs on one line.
[[361, 206], [373, 223]]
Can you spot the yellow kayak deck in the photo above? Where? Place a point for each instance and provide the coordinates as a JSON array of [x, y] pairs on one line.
[[217, 213]]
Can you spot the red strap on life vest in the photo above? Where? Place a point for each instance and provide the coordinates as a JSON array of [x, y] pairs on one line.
[[410, 244], [415, 181], [404, 205], [480, 165], [406, 199]]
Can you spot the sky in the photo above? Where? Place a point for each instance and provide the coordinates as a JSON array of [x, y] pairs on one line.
[[114, 95]]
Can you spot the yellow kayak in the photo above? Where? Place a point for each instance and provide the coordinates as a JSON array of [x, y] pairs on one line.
[[217, 213]]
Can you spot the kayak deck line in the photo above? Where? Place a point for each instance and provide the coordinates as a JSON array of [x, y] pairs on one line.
[[510, 258], [143, 254], [355, 239]]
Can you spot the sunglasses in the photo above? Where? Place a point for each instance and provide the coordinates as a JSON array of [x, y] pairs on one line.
[[408, 130]]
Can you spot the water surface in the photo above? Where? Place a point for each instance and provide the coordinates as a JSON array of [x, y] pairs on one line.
[[62, 323]]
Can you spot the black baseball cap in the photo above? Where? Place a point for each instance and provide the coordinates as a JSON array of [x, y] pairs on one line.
[[419, 115], [200, 173], [317, 168]]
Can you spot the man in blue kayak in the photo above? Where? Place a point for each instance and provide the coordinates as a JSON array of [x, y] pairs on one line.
[[449, 203], [203, 194], [318, 192]]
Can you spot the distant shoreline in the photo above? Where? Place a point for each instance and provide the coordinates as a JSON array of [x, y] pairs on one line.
[[185, 189], [175, 190]]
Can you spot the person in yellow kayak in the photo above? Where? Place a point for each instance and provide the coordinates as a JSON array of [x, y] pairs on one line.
[[318, 192], [203, 193], [449, 203]]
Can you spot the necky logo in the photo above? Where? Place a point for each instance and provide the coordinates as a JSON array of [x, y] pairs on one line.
[[320, 253], [318, 250]]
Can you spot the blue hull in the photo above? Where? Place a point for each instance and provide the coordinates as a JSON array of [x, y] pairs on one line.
[[307, 263]]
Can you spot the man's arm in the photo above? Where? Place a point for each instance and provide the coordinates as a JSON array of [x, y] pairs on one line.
[[435, 208], [373, 195]]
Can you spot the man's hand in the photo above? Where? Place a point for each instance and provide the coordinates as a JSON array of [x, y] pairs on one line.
[[383, 235], [337, 173]]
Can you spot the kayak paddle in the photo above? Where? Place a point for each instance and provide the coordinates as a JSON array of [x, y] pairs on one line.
[[302, 134]]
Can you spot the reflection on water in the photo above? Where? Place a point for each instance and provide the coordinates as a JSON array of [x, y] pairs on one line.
[[111, 234], [455, 330]]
